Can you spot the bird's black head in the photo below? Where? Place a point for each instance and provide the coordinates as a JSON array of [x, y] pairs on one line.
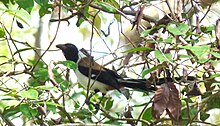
[[70, 51]]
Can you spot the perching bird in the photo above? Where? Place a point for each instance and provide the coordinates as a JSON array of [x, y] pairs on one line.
[[101, 78]]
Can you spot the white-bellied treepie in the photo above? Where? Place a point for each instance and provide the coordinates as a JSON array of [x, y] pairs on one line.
[[101, 78]]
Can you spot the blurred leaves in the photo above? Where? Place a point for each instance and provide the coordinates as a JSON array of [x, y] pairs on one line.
[[199, 51], [30, 94], [28, 111], [106, 6], [178, 28]]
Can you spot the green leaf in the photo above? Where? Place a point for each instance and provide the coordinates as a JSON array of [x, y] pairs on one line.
[[145, 32], [5, 2], [215, 84], [97, 22], [45, 87], [42, 2], [30, 94], [45, 10], [207, 29], [169, 40], [69, 64], [138, 49], [50, 103], [182, 56], [178, 28], [204, 116], [69, 3], [109, 104], [41, 75], [199, 51], [11, 111], [117, 17], [147, 71], [217, 55], [21, 14], [26, 5], [2, 33], [214, 75], [163, 57], [147, 114], [27, 111], [116, 5], [107, 7]]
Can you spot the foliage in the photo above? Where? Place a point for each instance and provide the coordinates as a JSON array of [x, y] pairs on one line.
[[171, 53]]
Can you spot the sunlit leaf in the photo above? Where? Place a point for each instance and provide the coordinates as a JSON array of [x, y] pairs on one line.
[[45, 87], [2, 33], [215, 84], [50, 103], [163, 57], [30, 94], [217, 55], [97, 22], [199, 51], [207, 29], [21, 14], [69, 64], [178, 28], [145, 32]]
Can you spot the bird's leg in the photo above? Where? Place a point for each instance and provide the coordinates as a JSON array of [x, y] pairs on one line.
[[97, 106]]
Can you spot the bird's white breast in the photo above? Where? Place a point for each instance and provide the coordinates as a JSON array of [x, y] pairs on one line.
[[94, 84]]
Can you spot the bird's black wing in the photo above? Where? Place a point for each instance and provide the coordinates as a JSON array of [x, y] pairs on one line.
[[105, 76]]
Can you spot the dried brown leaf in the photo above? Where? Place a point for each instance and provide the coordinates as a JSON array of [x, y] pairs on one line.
[[195, 91], [138, 17], [198, 30], [127, 58], [161, 98], [174, 104], [167, 98], [217, 33]]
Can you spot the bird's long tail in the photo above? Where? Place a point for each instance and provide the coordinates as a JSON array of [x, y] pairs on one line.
[[138, 84]]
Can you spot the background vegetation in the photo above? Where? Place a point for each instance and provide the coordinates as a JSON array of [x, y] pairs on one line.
[[173, 44]]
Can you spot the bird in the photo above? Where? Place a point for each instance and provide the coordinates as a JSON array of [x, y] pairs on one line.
[[101, 79]]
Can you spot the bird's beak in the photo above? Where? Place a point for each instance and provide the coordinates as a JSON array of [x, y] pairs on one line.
[[61, 46]]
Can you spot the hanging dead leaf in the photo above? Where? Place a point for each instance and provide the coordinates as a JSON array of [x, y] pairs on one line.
[[127, 58], [217, 33], [138, 17], [198, 30], [174, 104], [161, 98], [167, 98], [195, 91]]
